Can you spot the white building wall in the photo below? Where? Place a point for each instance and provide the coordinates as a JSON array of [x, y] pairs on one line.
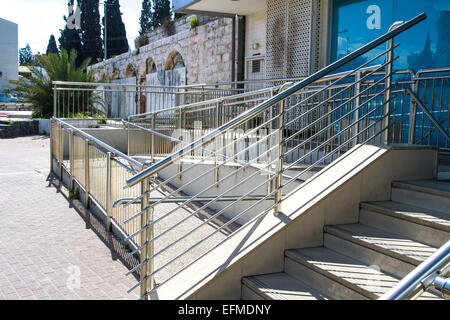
[[255, 32], [9, 47]]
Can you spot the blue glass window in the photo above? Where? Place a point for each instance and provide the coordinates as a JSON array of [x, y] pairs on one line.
[[426, 45]]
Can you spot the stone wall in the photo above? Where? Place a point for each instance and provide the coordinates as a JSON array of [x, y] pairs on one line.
[[205, 50], [179, 25]]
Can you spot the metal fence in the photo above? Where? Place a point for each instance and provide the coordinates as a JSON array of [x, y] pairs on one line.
[[97, 169]]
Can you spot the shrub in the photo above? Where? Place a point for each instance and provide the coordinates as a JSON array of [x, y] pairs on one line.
[[193, 23]]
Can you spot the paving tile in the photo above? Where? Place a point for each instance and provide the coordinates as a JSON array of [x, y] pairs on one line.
[[43, 240]]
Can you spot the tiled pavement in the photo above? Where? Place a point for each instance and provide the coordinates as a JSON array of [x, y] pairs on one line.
[[49, 250]]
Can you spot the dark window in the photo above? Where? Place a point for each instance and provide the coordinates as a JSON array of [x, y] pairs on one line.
[[256, 66]]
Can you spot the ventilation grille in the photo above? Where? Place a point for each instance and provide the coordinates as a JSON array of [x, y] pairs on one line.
[[292, 38], [276, 35]]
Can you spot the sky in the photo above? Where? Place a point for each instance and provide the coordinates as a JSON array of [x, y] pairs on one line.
[[39, 19]]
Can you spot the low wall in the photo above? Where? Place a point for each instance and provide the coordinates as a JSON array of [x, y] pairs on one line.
[[114, 137], [20, 129]]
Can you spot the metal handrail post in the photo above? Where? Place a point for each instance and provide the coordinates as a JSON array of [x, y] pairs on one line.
[[61, 151], [109, 198], [51, 145], [148, 250], [55, 109], [71, 158], [389, 69], [357, 104], [279, 171], [128, 141], [86, 173], [180, 126], [153, 138], [413, 113], [216, 143]]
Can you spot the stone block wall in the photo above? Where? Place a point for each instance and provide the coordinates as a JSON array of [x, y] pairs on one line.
[[205, 50]]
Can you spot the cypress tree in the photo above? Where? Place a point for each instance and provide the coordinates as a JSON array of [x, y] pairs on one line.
[[161, 12], [91, 37], [71, 39], [116, 36], [51, 47], [146, 17]]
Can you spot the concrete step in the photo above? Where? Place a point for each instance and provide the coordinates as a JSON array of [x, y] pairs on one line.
[[423, 225], [385, 242], [277, 286], [386, 263], [428, 194], [351, 274]]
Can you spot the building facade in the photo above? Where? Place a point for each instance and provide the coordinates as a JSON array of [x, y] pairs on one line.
[[9, 47], [294, 38]]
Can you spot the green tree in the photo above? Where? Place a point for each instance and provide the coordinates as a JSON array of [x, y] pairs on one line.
[[145, 20], [91, 33], [71, 40], [25, 56], [161, 12], [39, 90], [116, 36], [51, 47]]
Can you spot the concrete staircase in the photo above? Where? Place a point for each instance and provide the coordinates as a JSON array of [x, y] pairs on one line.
[[366, 259]]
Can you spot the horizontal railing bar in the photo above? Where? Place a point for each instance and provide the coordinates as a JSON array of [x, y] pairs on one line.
[[181, 198], [110, 84]]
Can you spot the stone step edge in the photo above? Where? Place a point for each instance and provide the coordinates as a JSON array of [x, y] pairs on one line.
[[252, 283], [423, 189], [372, 206], [293, 256], [348, 236]]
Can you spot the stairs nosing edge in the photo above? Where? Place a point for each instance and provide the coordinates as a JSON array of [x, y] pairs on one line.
[[250, 283], [370, 206], [346, 236], [329, 275], [418, 188]]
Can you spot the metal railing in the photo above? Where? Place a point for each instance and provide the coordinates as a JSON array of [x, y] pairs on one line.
[[299, 129], [429, 274], [95, 168], [192, 121], [430, 108], [119, 100]]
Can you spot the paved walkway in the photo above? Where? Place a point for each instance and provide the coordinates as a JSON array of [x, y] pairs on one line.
[[49, 250]]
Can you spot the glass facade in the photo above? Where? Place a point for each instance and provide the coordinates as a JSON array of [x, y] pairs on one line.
[[426, 45]]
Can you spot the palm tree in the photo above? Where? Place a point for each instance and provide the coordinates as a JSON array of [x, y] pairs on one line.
[[39, 90]]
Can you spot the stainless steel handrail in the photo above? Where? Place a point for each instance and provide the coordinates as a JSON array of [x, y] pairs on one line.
[[183, 198], [274, 100], [424, 277]]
